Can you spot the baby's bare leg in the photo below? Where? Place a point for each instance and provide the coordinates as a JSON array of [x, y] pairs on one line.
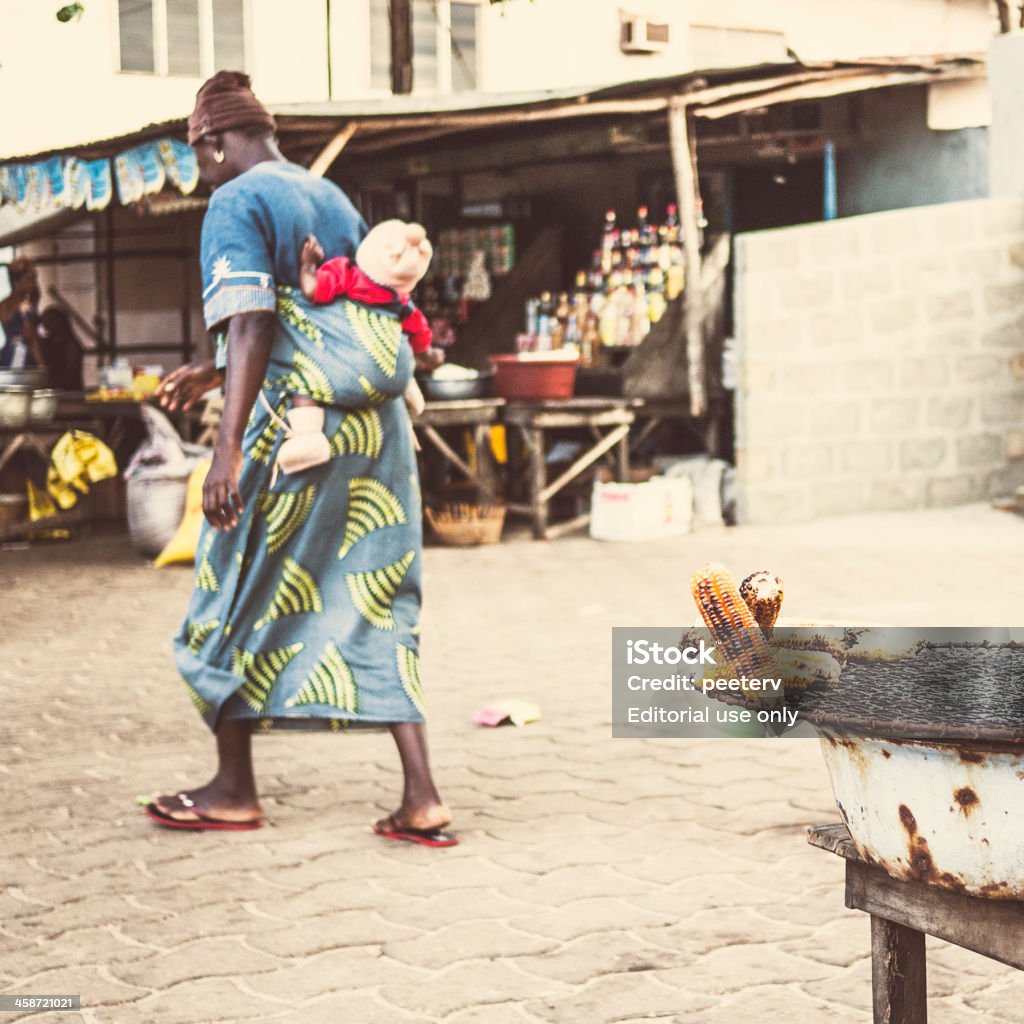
[[310, 259]]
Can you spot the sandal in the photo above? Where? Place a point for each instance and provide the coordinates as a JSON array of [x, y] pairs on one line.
[[388, 828], [203, 822]]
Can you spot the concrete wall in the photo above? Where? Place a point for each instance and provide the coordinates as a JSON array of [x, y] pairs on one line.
[[902, 162], [882, 361], [1006, 77]]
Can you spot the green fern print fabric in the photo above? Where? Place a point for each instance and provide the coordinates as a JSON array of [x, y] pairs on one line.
[[306, 614]]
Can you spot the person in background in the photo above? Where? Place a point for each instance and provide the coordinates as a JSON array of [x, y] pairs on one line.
[[19, 346], [61, 350], [305, 612]]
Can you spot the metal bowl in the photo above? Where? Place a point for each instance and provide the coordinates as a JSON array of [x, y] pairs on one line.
[[44, 405], [31, 378], [15, 404], [456, 390], [926, 756]]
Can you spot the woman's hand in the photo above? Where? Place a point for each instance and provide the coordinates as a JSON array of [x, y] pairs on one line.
[[222, 504], [183, 387], [430, 360]]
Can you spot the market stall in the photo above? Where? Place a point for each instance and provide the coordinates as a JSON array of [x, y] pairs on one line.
[[627, 277]]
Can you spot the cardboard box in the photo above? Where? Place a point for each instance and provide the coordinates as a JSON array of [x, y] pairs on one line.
[[661, 507]]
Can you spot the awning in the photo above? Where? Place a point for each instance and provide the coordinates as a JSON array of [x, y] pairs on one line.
[[823, 88], [17, 226]]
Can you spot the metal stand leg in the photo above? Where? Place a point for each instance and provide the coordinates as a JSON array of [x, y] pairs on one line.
[[622, 460], [898, 973]]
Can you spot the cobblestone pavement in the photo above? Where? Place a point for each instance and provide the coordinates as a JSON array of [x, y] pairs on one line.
[[597, 880]]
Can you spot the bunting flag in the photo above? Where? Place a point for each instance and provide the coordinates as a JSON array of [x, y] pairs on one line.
[[69, 182], [100, 184]]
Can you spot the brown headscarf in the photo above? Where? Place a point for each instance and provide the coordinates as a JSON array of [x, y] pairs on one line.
[[226, 101]]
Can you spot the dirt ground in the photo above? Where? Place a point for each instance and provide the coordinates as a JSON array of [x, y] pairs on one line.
[[598, 880]]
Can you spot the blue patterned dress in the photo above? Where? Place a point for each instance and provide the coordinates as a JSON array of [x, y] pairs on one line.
[[307, 613]]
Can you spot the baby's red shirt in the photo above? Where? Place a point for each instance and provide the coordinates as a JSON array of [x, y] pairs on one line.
[[340, 276]]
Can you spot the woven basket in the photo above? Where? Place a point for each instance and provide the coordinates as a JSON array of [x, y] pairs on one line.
[[467, 525], [13, 508]]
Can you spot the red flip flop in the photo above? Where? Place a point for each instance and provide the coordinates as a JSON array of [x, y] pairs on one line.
[[433, 837], [204, 823]]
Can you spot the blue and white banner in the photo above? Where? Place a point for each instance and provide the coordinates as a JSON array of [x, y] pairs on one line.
[[68, 182]]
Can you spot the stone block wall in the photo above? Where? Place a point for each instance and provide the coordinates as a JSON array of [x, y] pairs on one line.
[[881, 361]]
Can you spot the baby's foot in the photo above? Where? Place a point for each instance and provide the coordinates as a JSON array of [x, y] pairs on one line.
[[310, 259]]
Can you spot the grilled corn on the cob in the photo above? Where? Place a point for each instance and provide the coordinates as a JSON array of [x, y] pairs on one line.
[[763, 594], [742, 646]]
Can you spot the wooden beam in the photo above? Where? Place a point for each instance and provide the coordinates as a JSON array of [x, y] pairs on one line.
[[557, 144], [683, 149], [991, 927], [332, 150]]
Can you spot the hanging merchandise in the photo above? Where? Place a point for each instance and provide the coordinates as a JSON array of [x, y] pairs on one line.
[[53, 173], [36, 187], [180, 163], [100, 184], [131, 185], [76, 185], [70, 182], [14, 185], [478, 282]]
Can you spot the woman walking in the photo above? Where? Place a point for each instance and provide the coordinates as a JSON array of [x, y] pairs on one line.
[[305, 612]]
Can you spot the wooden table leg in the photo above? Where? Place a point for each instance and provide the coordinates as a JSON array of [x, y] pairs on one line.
[[538, 482], [486, 465], [898, 973]]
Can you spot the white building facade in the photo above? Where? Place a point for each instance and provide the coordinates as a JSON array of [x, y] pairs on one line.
[[120, 64]]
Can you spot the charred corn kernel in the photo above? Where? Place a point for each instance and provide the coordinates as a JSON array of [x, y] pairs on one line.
[[800, 668], [732, 624], [762, 591]]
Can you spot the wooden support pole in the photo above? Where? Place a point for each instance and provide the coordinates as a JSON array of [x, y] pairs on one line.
[[320, 166], [682, 141], [401, 46]]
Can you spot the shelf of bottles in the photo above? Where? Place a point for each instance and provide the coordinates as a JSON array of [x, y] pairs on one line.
[[632, 278]]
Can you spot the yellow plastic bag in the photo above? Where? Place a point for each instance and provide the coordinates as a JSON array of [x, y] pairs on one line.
[[182, 546], [77, 460]]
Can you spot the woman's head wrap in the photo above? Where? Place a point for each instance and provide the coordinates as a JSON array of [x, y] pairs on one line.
[[226, 101]]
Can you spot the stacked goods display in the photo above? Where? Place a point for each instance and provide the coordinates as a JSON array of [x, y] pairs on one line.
[[632, 277]]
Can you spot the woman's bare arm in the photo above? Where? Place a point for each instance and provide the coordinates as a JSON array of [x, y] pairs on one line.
[[250, 339]]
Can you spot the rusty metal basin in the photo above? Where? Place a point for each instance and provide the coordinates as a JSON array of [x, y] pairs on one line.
[[926, 759]]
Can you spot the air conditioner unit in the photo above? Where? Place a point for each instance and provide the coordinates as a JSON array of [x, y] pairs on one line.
[[642, 35]]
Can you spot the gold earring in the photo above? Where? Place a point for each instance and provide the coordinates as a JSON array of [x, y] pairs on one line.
[[218, 155]]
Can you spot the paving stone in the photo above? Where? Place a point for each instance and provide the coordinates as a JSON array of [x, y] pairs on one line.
[[203, 1001], [467, 940], [473, 985], [96, 987], [589, 915], [444, 908], [780, 1004], [327, 931], [355, 967], [647, 871], [204, 958], [617, 997]]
